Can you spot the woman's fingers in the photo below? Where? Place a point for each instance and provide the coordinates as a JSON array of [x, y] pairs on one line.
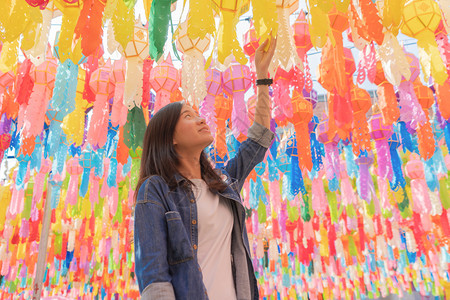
[[273, 45]]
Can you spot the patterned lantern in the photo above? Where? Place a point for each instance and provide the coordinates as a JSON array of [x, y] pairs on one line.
[[103, 86], [193, 69], [223, 108], [251, 42], [361, 104], [213, 89], [285, 53], [415, 170], [281, 94], [410, 110], [380, 134], [230, 11], [420, 20], [236, 81], [302, 114], [330, 139], [164, 79], [365, 180], [74, 124], [135, 53], [387, 100], [34, 114], [119, 110], [74, 169], [301, 36], [425, 132]]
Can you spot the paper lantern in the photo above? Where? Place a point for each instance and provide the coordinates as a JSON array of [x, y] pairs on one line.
[[282, 107], [135, 53], [193, 69], [410, 110], [236, 81], [443, 99], [119, 110], [230, 11], [285, 52], [420, 20], [302, 36], [34, 114], [330, 139], [102, 85], [380, 134], [414, 169], [164, 79], [223, 108], [74, 169], [387, 100], [361, 104], [302, 113], [251, 42], [213, 89], [425, 132], [365, 180]]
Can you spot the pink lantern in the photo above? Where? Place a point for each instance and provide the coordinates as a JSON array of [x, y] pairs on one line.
[[330, 139], [74, 169], [236, 81], [102, 85], [119, 110], [164, 79], [415, 170], [302, 36], [33, 116], [213, 89], [380, 134]]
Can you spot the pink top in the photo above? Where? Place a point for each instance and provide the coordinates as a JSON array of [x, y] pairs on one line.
[[215, 226]]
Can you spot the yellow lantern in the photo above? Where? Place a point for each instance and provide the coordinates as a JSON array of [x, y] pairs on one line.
[[230, 11], [135, 53], [420, 20], [193, 69]]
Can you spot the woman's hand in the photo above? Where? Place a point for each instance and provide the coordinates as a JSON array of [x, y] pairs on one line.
[[263, 58]]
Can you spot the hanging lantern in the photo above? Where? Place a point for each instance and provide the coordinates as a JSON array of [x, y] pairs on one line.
[[74, 124], [387, 100], [302, 36], [236, 81], [102, 85], [74, 169], [213, 89], [285, 54], [118, 110], [420, 20], [135, 53], [302, 114], [223, 108], [193, 69], [361, 104], [410, 110], [380, 134], [414, 169], [164, 79], [425, 132], [34, 114], [282, 107], [230, 11], [251, 43], [330, 139]]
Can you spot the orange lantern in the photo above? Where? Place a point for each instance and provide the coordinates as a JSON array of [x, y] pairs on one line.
[[135, 53], [302, 114], [193, 69], [421, 18]]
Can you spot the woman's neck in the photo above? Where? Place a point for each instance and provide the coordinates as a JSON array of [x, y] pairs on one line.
[[189, 166]]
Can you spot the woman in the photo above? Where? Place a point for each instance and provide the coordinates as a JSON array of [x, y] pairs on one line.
[[189, 233]]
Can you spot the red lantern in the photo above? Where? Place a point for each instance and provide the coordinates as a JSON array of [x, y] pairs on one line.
[[361, 104], [302, 36]]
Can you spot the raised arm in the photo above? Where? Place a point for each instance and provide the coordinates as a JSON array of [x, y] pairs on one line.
[[252, 151]]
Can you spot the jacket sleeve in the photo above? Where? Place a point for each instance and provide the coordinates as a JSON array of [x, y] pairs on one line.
[[150, 244], [250, 153]]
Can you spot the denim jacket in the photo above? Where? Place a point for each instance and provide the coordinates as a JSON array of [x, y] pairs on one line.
[[166, 230]]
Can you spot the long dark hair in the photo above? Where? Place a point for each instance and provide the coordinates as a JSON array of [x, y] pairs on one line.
[[159, 156]]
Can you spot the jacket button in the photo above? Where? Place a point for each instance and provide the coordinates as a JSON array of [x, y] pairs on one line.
[[194, 222], [192, 200], [195, 247]]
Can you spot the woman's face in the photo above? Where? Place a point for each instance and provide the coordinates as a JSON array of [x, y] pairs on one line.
[[191, 132]]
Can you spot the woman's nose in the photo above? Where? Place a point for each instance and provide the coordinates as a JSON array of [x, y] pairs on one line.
[[201, 119]]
